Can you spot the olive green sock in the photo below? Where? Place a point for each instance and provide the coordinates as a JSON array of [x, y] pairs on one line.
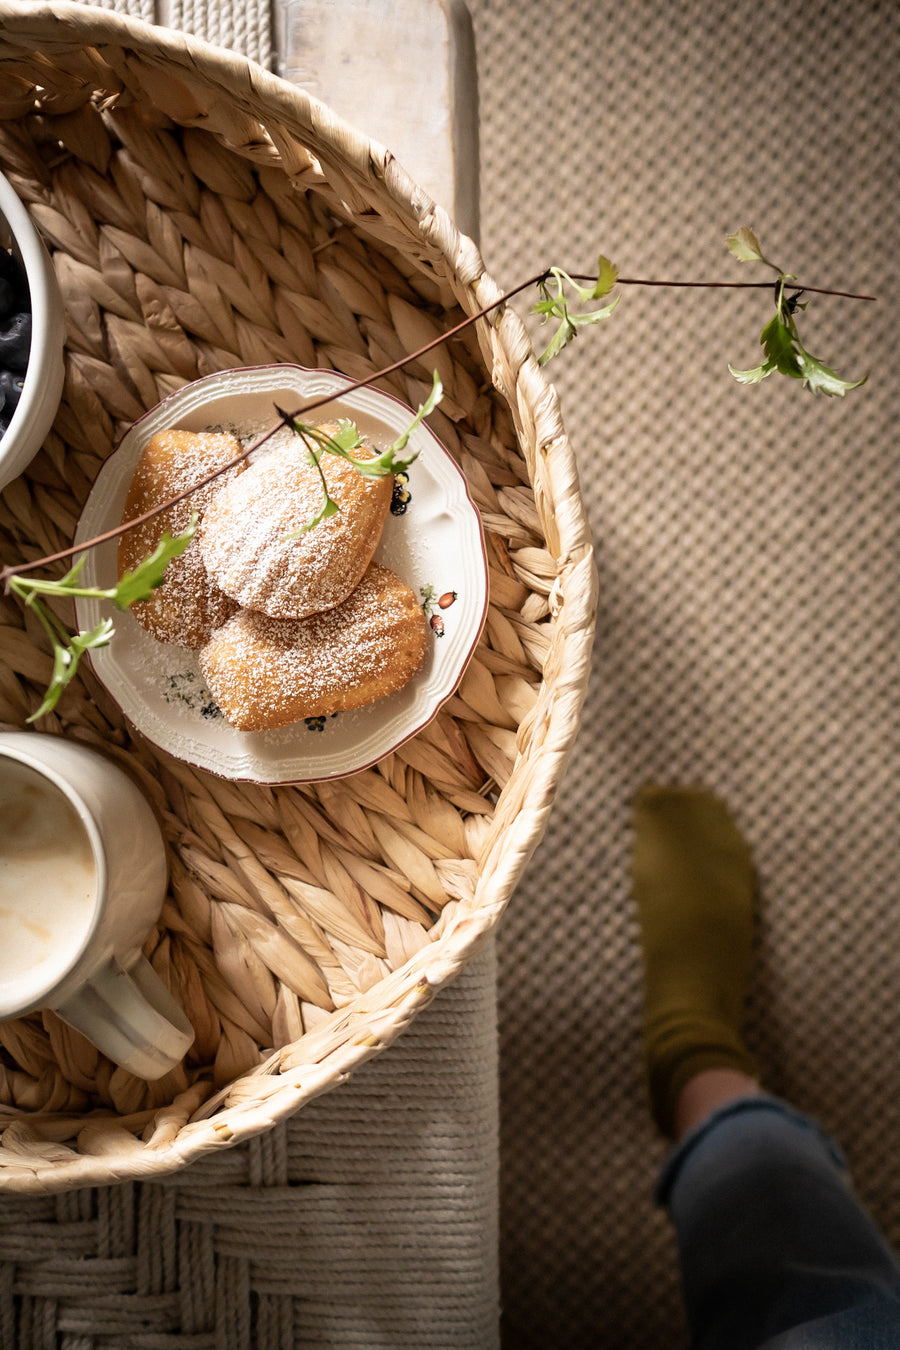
[[693, 882]]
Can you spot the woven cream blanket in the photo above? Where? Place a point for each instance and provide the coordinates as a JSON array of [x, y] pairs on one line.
[[244, 26]]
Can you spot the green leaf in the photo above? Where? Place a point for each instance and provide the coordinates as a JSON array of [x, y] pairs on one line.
[[561, 338], [431, 402], [140, 583], [347, 436], [594, 315], [328, 508], [607, 276], [744, 245], [557, 306], [62, 674], [754, 376], [66, 657], [392, 460], [73, 573], [68, 649], [821, 379], [780, 339], [778, 343]]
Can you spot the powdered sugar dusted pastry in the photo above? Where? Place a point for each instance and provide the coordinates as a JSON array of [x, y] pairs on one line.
[[266, 672], [188, 606], [243, 534]]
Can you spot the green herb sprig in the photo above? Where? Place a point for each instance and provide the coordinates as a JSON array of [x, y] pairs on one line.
[[345, 440], [556, 305], [780, 340], [68, 648]]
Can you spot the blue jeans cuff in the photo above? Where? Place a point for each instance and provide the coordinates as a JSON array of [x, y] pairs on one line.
[[760, 1101]]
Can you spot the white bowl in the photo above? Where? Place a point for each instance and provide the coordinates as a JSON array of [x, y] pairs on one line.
[[43, 384], [436, 545]]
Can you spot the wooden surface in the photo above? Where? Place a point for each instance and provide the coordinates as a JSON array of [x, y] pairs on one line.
[[404, 74]]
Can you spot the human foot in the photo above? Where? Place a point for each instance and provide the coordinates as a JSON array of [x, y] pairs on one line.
[[693, 882]]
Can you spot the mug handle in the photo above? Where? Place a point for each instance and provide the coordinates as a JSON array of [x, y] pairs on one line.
[[131, 1017]]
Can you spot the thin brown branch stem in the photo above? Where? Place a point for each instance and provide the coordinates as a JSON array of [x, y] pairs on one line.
[[728, 285], [285, 420]]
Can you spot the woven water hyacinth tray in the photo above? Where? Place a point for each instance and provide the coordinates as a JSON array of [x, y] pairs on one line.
[[202, 215]]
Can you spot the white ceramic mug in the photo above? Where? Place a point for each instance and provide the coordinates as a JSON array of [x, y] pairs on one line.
[[82, 880]]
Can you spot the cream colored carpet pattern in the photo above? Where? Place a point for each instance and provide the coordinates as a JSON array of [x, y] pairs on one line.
[[747, 543]]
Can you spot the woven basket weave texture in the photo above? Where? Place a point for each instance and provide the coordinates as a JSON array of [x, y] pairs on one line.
[[202, 215]]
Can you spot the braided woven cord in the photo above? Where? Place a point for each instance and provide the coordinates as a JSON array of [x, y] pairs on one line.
[[314, 1233]]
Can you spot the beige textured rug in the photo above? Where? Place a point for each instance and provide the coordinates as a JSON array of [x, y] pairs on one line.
[[747, 543]]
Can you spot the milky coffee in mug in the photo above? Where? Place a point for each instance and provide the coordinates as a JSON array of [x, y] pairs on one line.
[[82, 880]]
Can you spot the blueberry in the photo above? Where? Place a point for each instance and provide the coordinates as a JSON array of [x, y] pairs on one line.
[[11, 390], [13, 274], [8, 265], [15, 341]]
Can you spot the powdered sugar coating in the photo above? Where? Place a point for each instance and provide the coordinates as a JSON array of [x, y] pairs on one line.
[[266, 672], [188, 606], [246, 535]]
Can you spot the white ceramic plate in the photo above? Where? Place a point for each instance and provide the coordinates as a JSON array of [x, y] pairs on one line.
[[436, 546]]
